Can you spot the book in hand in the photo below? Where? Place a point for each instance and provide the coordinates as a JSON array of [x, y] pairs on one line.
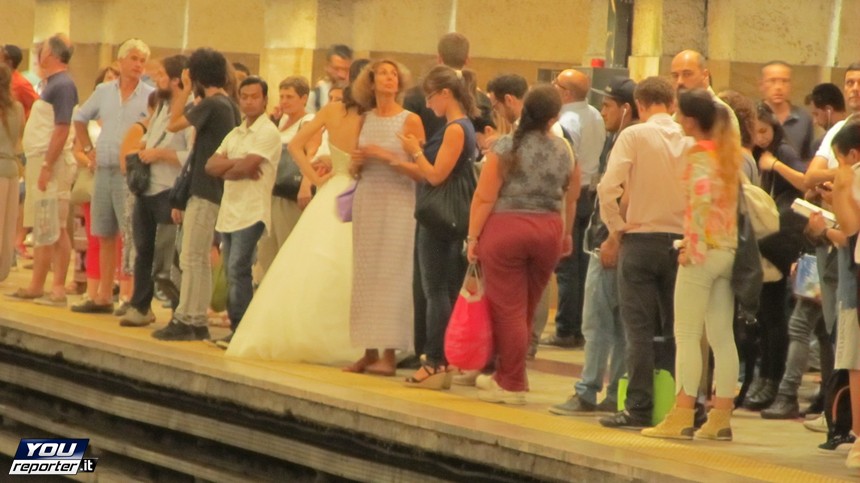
[[805, 208]]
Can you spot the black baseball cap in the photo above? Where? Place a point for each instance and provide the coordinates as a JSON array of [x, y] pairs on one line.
[[619, 88]]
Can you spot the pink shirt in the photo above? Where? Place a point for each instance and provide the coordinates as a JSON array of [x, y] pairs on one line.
[[648, 162]]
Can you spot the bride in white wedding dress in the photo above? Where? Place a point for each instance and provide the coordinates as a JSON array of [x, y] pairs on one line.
[[301, 310]]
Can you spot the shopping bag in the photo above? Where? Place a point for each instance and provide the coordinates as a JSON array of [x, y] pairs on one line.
[[469, 337]]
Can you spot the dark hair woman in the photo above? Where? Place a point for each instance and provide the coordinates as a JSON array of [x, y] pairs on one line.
[[517, 233], [449, 154]]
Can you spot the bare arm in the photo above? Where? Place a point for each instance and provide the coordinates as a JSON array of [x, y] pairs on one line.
[[415, 128], [485, 195], [305, 139], [768, 162], [446, 158], [817, 173], [130, 144], [178, 121], [844, 206]]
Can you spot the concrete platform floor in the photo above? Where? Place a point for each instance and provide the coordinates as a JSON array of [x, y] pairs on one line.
[[762, 450]]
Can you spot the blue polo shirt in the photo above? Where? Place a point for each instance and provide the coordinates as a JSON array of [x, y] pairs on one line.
[[117, 117]]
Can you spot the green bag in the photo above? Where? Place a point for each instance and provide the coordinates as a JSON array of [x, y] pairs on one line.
[[664, 394], [219, 287]]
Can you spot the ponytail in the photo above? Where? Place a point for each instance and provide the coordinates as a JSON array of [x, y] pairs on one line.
[[728, 147], [540, 105], [461, 82]]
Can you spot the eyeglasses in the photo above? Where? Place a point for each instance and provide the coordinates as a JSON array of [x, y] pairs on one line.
[[427, 98]]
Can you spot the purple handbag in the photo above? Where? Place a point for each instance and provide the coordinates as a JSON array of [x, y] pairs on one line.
[[344, 203]]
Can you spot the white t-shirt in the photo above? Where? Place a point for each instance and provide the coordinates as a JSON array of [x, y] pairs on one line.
[[247, 201], [825, 150], [289, 133]]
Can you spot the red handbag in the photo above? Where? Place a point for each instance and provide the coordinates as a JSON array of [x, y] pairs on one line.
[[469, 337]]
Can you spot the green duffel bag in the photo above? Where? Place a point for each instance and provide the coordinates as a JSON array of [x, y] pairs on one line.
[[664, 394]]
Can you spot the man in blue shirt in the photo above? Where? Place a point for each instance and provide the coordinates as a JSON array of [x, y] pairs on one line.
[[118, 104]]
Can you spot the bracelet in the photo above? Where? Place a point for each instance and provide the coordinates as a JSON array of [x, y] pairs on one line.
[[417, 154], [774, 164]]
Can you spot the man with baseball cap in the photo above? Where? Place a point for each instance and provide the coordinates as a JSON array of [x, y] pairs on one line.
[[601, 320]]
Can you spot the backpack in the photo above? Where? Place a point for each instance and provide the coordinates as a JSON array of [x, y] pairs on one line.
[[761, 209]]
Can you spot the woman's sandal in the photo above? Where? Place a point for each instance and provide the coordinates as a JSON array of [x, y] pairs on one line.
[[433, 378]]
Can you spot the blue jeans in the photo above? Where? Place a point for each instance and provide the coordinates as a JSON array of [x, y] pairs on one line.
[[603, 332], [571, 271], [239, 249], [442, 271]]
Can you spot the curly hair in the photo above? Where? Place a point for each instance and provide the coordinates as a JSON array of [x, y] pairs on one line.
[[362, 90]]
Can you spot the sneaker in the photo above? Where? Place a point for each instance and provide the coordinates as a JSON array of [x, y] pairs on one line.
[[853, 458], [122, 309], [484, 382], [88, 306], [465, 378], [836, 444], [783, 407], [818, 425], [574, 406], [624, 420], [568, 342], [50, 300], [201, 332], [136, 318], [175, 331], [496, 394], [607, 406]]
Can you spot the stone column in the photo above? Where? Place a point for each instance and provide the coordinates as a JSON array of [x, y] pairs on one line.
[[661, 29]]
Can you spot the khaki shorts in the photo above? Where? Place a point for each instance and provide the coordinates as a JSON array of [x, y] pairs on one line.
[[63, 175]]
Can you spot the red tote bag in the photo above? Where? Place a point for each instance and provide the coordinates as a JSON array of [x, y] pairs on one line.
[[469, 338]]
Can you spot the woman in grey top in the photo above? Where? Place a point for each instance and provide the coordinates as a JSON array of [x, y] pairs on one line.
[[520, 225], [11, 130]]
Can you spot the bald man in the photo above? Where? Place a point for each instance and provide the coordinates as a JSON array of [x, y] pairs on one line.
[[690, 71], [588, 133]]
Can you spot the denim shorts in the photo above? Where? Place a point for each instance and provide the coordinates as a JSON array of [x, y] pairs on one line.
[[108, 203]]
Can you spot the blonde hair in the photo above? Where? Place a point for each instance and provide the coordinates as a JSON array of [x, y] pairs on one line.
[[132, 44], [362, 89], [728, 147]]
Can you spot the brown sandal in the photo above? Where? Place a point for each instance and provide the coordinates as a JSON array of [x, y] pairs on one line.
[[23, 294]]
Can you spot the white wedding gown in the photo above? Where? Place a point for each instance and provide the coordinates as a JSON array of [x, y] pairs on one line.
[[300, 312]]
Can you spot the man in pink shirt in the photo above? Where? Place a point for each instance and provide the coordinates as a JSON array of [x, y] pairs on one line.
[[646, 166], [22, 90]]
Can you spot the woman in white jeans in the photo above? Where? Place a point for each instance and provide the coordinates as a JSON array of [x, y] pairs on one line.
[[703, 294]]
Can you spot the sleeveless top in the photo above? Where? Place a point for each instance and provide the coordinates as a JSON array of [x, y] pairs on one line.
[[467, 155]]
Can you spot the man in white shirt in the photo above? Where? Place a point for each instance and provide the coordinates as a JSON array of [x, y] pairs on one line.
[[646, 164], [247, 160], [338, 60], [588, 133]]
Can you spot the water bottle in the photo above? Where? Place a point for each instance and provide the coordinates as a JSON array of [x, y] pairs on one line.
[[46, 221]]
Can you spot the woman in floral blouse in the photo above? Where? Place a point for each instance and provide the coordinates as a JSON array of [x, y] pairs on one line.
[[703, 292]]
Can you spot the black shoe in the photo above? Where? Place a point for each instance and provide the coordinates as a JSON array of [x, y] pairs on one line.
[[816, 406], [574, 406], [624, 420], [763, 398], [175, 331], [565, 342], [607, 406], [700, 417], [410, 362], [783, 407], [755, 387], [165, 285], [834, 442], [201, 332]]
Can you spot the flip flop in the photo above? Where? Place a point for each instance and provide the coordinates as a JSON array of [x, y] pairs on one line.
[[23, 294]]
